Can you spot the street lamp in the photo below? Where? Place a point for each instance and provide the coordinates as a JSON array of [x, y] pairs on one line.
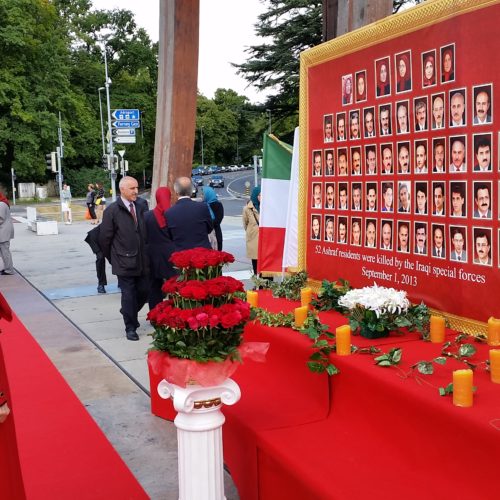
[[102, 123], [268, 112]]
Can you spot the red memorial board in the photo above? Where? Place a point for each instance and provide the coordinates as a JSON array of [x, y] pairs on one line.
[[400, 158]]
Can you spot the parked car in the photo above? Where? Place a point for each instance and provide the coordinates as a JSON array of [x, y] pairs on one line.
[[216, 181], [198, 180], [194, 191], [197, 171]]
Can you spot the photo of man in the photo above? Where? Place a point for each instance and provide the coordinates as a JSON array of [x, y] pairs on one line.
[[386, 154], [482, 153], [421, 198], [387, 197], [329, 228], [458, 207], [403, 157], [403, 236], [328, 128], [356, 160], [371, 160], [342, 230], [404, 189], [402, 117], [438, 111], [330, 196], [342, 161], [458, 244], [482, 246], [356, 196], [420, 114], [482, 200], [317, 195], [354, 124], [317, 157], [439, 157], [329, 163], [457, 108], [438, 242], [438, 198], [482, 105], [356, 231], [384, 112], [341, 129], [371, 196], [371, 233], [369, 121], [343, 196], [457, 154], [420, 238], [421, 157], [315, 227], [386, 238]]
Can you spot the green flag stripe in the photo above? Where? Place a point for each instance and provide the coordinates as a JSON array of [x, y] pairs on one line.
[[277, 159]]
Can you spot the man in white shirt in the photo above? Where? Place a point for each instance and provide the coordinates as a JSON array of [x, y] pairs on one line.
[[458, 156], [482, 200], [369, 123], [330, 196], [482, 246], [402, 116], [356, 162], [457, 110], [385, 121], [343, 197], [482, 108], [439, 167], [421, 238], [354, 118], [329, 230], [457, 199], [421, 159], [403, 235], [437, 112], [371, 199], [404, 198], [317, 196], [387, 160], [386, 243], [457, 239], [482, 150], [420, 116], [371, 234], [342, 232], [341, 128], [421, 199], [403, 159], [371, 161], [356, 197], [439, 199], [438, 249]]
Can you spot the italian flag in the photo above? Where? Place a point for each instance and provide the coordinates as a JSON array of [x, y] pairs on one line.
[[275, 185]]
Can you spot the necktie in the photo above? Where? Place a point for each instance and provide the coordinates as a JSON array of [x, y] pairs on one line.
[[132, 211], [458, 257], [439, 253]]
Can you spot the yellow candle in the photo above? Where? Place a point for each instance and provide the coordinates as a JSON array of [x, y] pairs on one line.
[[437, 329], [462, 388], [253, 298], [301, 315], [495, 365], [305, 296], [493, 331], [343, 340]]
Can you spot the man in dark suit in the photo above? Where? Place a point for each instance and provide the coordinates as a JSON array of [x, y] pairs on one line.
[[188, 221], [123, 242]]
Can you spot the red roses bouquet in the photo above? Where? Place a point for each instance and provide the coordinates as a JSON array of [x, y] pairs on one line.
[[201, 320]]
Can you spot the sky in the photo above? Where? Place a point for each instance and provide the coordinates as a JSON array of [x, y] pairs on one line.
[[226, 29]]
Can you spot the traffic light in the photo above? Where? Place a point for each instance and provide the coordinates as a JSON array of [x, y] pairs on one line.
[[105, 162], [51, 161], [116, 165]]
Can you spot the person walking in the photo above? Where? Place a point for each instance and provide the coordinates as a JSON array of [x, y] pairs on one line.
[[188, 221], [90, 201], [100, 201], [92, 239], [216, 210], [251, 226], [160, 245], [66, 204], [123, 241], [6, 234]]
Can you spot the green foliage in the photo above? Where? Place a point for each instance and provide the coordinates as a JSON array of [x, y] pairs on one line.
[[289, 288], [392, 358], [329, 294], [80, 179], [460, 350]]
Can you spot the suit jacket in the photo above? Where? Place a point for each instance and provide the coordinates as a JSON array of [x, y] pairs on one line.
[[443, 252], [477, 215], [6, 225], [477, 168], [453, 256], [189, 223], [476, 120], [424, 252]]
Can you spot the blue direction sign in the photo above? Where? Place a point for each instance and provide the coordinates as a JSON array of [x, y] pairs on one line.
[[126, 114], [126, 124]]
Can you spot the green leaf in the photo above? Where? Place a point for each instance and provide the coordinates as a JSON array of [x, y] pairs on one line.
[[332, 370], [384, 362], [466, 350], [316, 367], [445, 391], [440, 360], [425, 367], [396, 355]]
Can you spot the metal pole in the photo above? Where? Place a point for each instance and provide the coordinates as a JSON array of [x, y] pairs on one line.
[[13, 176], [60, 155], [102, 122], [255, 166], [111, 155], [202, 154]]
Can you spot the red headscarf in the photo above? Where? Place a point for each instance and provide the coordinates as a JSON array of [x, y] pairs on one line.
[[4, 199], [163, 196], [402, 80], [432, 79], [383, 87], [447, 75]]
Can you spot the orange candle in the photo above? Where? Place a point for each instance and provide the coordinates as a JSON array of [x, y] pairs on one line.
[[462, 388], [495, 365], [253, 298], [437, 324], [493, 331], [305, 296], [343, 340], [301, 315]]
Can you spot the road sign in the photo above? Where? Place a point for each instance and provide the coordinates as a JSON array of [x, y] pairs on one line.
[[126, 114], [127, 139], [123, 131], [126, 124]]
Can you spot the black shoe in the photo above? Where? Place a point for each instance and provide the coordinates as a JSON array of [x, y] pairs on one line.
[[132, 335], [101, 289]]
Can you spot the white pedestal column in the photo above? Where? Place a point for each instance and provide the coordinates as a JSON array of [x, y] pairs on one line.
[[199, 436]]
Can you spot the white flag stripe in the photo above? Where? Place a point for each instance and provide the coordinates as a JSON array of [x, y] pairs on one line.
[[275, 194]]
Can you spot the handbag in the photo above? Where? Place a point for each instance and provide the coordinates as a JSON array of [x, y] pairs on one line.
[[98, 201], [87, 215]]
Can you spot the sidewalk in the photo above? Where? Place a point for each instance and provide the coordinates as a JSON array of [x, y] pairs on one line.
[[55, 296]]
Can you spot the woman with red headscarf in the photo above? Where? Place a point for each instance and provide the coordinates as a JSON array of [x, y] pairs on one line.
[[404, 73], [160, 246], [6, 234], [383, 78], [448, 73], [429, 76]]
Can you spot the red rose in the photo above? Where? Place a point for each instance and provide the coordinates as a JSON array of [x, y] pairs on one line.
[[193, 323], [202, 318], [231, 319]]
